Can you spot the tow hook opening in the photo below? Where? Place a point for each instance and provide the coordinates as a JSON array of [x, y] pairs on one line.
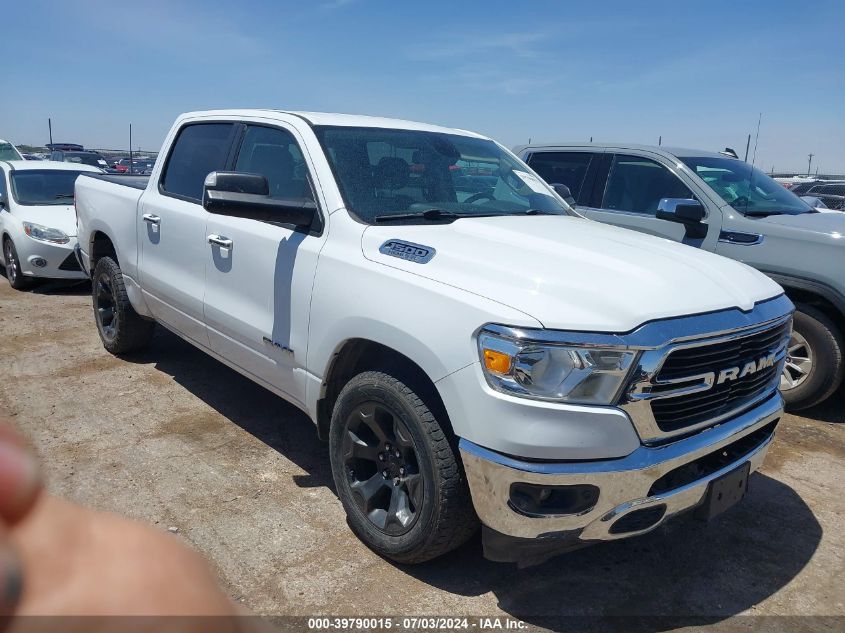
[[537, 500], [639, 520]]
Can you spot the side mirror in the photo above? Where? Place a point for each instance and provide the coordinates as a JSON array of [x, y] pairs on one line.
[[242, 195], [564, 192], [685, 211]]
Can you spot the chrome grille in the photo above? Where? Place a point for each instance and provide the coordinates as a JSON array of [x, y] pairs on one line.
[[674, 413]]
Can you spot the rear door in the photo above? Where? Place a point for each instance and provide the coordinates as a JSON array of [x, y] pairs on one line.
[[629, 188], [575, 169], [172, 228], [259, 274]]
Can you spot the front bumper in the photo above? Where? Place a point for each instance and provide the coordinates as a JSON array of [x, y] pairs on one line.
[[673, 476], [47, 260]]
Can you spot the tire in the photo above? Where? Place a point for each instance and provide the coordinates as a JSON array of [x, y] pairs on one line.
[[814, 367], [121, 329], [14, 274], [436, 514]]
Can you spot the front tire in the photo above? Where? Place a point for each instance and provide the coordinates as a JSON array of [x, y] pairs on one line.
[[396, 472], [814, 364], [121, 329], [14, 274]]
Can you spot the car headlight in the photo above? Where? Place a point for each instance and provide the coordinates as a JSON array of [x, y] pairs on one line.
[[45, 233], [553, 370]]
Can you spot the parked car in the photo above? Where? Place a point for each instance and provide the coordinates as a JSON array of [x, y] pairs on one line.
[[466, 353], [85, 157], [37, 221], [800, 187], [724, 205], [9, 151], [31, 157], [832, 193]]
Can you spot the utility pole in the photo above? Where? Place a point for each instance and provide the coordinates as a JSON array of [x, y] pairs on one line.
[[809, 163], [747, 145], [130, 148], [660, 140], [50, 127]]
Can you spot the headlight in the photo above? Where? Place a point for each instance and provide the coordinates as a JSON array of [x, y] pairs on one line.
[[45, 233], [554, 370]]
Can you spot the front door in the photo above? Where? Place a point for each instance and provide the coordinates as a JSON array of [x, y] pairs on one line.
[[259, 274], [633, 188]]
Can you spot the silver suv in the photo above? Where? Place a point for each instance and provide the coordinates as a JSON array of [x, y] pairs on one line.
[[719, 203]]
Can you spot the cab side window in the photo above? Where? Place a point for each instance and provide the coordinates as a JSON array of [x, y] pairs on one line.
[[4, 193], [199, 149], [564, 168], [275, 154], [636, 184]]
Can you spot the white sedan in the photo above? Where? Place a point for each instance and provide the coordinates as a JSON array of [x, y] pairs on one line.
[[37, 220]]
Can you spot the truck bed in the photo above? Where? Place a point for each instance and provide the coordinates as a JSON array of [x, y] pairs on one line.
[[136, 182]]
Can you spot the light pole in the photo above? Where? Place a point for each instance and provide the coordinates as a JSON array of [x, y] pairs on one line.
[[809, 163]]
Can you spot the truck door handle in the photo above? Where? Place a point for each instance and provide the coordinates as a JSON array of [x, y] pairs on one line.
[[152, 219], [219, 240]]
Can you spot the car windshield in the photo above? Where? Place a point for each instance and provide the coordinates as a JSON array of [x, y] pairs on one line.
[[746, 188], [43, 186], [8, 152], [395, 175], [85, 158]]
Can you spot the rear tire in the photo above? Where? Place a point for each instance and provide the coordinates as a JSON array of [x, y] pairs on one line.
[[814, 367], [14, 274], [121, 329], [396, 472]]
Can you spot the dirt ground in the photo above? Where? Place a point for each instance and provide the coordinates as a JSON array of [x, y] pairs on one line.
[[174, 438]]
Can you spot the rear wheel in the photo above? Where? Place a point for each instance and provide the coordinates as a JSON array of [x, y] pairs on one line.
[[814, 360], [121, 329], [16, 278], [396, 472]]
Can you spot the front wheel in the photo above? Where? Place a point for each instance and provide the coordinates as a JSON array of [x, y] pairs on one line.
[[814, 359], [121, 329], [396, 472], [14, 274]]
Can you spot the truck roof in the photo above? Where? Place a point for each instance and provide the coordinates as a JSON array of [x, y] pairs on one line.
[[660, 149], [331, 118]]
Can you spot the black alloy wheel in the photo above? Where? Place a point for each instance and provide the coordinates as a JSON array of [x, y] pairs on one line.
[[382, 468]]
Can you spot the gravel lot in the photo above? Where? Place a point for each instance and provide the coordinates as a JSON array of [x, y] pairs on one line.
[[174, 438]]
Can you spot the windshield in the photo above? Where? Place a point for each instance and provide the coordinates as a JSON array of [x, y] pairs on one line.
[[43, 186], [746, 188], [8, 152], [95, 160], [398, 173]]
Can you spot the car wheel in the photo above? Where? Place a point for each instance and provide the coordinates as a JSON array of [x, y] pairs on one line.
[[121, 329], [16, 278], [814, 364], [396, 472]]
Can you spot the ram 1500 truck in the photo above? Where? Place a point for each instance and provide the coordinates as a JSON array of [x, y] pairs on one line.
[[469, 348], [719, 203]]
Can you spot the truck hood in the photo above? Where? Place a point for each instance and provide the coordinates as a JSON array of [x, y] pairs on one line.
[[572, 273], [832, 224]]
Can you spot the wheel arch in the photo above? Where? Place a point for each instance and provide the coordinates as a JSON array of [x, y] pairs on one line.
[[101, 245], [357, 355], [820, 296]]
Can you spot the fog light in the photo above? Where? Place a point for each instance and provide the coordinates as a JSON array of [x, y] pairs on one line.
[[38, 262], [537, 500]]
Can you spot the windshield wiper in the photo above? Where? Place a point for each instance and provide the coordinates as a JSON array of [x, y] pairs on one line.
[[63, 196], [440, 214], [428, 214]]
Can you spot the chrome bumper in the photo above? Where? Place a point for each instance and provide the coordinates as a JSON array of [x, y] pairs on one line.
[[624, 484]]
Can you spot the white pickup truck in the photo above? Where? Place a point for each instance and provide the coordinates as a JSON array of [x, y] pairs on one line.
[[469, 348]]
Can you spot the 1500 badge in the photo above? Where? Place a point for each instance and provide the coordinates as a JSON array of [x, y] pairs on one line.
[[408, 250]]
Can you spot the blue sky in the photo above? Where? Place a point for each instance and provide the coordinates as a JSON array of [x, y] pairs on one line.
[[696, 73]]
